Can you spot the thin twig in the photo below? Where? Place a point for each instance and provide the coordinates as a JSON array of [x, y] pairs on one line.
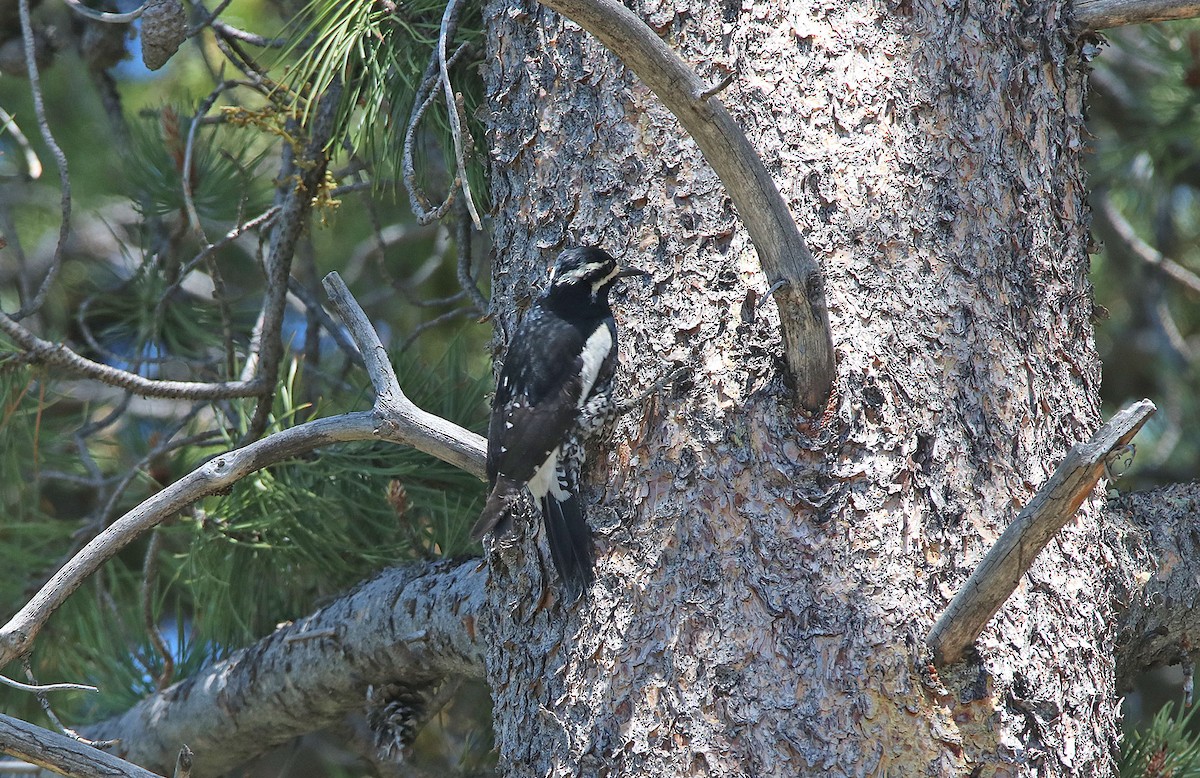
[[44, 702], [33, 165], [104, 16], [60, 159], [262, 220], [716, 88], [997, 576], [231, 47], [436, 321], [449, 17], [1144, 251], [230, 31], [425, 98], [8, 229], [208, 18], [58, 354], [189, 201], [47, 687], [465, 280], [149, 574]]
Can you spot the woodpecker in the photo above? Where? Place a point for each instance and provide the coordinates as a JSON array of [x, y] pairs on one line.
[[554, 386]]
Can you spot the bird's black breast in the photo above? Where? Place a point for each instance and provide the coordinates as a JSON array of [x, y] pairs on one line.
[[538, 390]]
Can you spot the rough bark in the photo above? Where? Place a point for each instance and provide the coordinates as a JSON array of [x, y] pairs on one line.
[[764, 580], [1159, 623]]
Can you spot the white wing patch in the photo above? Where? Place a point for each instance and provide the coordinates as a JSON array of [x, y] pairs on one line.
[[598, 346], [545, 476]]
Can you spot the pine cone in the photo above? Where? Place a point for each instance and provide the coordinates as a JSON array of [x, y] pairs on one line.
[[164, 29]]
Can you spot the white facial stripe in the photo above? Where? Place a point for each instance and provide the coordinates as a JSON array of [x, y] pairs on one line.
[[598, 285], [594, 351], [578, 274]]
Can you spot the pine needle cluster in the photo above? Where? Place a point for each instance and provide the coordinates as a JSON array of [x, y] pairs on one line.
[[1167, 748]]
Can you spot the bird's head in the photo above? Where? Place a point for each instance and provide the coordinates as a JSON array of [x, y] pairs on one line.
[[588, 270]]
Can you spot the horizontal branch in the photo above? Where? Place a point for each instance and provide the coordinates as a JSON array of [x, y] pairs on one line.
[[411, 625], [782, 251], [996, 577], [1105, 14], [61, 754], [1157, 620]]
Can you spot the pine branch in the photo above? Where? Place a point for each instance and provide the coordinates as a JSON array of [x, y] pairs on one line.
[[413, 625]]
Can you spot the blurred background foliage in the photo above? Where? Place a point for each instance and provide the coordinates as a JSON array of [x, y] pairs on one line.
[[1145, 174], [136, 290]]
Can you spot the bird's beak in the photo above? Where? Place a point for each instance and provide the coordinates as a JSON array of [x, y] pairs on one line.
[[625, 271]]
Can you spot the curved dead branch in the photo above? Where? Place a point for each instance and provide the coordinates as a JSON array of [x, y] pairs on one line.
[[786, 261]]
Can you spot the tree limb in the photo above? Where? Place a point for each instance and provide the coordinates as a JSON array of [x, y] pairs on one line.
[[996, 577], [414, 624], [62, 754], [395, 419], [420, 429], [1105, 14], [782, 251], [1159, 623]]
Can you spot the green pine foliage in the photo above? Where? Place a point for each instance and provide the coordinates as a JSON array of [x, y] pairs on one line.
[[27, 526], [1167, 748], [286, 538], [227, 166], [380, 52]]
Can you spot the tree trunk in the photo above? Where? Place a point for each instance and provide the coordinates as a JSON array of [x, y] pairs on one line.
[[766, 579]]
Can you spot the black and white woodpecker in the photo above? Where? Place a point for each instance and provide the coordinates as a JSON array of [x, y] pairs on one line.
[[554, 388]]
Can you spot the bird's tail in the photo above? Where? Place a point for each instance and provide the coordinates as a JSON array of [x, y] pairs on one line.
[[497, 507], [570, 543]]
